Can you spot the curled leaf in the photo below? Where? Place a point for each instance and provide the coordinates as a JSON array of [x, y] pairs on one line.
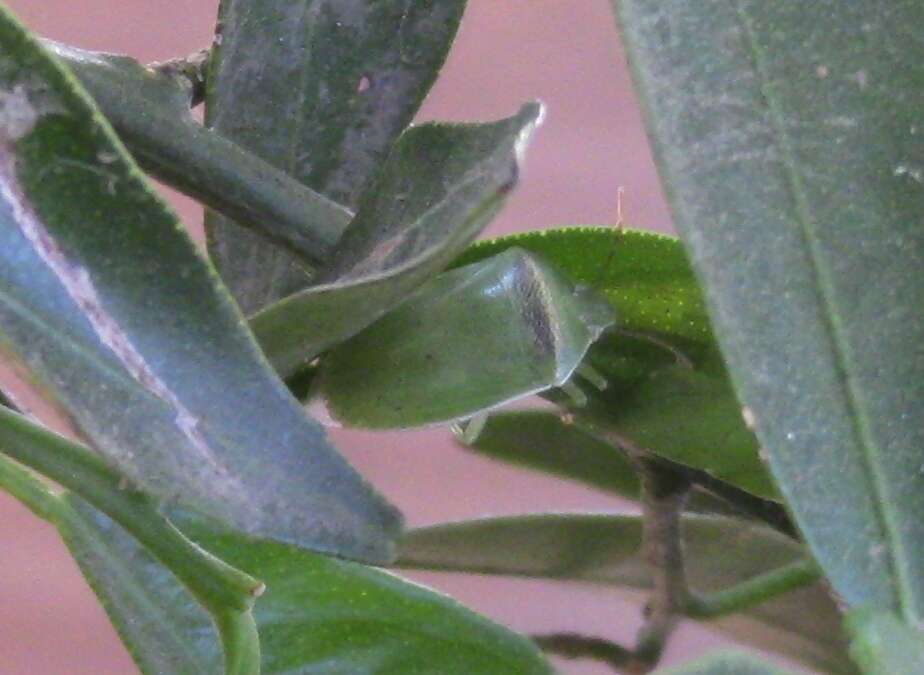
[[441, 184], [320, 89]]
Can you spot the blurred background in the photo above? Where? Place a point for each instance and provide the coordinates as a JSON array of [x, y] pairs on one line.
[[563, 52]]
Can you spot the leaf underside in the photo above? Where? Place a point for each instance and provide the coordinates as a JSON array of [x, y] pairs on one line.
[[540, 440], [544, 441], [789, 137]]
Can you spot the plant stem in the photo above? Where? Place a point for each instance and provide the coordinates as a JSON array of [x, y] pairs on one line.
[[574, 646], [769, 512], [753, 591], [664, 493], [695, 606], [227, 593], [240, 185], [190, 71], [150, 111]]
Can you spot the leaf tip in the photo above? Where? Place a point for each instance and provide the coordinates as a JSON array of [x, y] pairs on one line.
[[532, 115]]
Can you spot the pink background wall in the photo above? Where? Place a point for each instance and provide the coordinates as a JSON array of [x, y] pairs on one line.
[[564, 52]]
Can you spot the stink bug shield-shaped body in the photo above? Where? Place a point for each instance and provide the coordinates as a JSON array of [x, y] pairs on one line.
[[470, 340]]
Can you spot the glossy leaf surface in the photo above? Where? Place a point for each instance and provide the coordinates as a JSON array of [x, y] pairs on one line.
[[726, 663], [439, 187], [319, 615], [788, 135], [803, 624], [150, 111], [467, 341], [667, 391], [321, 89], [106, 302]]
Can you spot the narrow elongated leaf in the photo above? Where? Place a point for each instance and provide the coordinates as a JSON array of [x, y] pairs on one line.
[[105, 300], [467, 341], [150, 111], [883, 645], [726, 663], [804, 624], [319, 615], [440, 186], [20, 483], [226, 593], [668, 391], [321, 89], [789, 137]]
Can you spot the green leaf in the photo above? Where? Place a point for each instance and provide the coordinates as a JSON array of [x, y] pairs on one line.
[[645, 275], [726, 663], [106, 302], [884, 645], [686, 416], [321, 89], [319, 615], [441, 184], [540, 440], [35, 495], [788, 135], [226, 593], [467, 341], [803, 624], [667, 391], [150, 111], [544, 441]]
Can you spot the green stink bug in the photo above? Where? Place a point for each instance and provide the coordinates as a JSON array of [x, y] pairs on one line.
[[470, 340]]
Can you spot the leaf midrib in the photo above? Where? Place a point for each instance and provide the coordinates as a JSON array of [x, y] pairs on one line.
[[68, 341], [823, 290]]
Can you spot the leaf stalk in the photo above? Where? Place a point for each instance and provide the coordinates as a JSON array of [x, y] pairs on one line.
[[227, 593], [753, 591]]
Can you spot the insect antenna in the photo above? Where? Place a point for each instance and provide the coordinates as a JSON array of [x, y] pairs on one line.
[[618, 228]]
